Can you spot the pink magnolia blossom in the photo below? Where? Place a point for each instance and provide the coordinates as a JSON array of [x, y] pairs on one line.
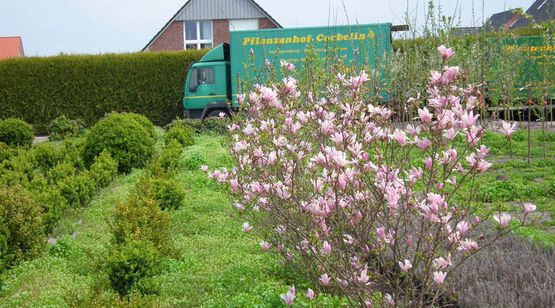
[[442, 262], [265, 245], [326, 248], [325, 279], [439, 277], [445, 52], [462, 227], [425, 115], [287, 65], [405, 266], [289, 297], [428, 163], [508, 129], [467, 245], [529, 207], [310, 294], [246, 227], [502, 219]]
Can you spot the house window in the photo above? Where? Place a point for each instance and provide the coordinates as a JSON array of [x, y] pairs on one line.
[[198, 34]]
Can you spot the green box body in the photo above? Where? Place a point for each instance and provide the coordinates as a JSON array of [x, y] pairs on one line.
[[213, 83]]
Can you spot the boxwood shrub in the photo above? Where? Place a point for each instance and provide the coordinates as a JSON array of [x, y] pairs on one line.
[[16, 133], [22, 223], [124, 138]]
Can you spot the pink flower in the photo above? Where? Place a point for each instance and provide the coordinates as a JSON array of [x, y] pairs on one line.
[[267, 64], [265, 245], [400, 137], [462, 227], [289, 297], [508, 128], [326, 248], [234, 185], [405, 266], [503, 219], [423, 144], [363, 277], [442, 262], [246, 227], [204, 168], [445, 52], [529, 207], [425, 115], [428, 163], [310, 294], [439, 277], [468, 245], [287, 65], [325, 279]]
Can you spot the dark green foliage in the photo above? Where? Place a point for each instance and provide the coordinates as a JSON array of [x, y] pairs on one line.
[[19, 169], [63, 127], [207, 126], [60, 172], [87, 87], [16, 133], [6, 152], [168, 192], [127, 141], [46, 155], [170, 158], [131, 265], [4, 248], [53, 205], [141, 218], [194, 161], [181, 133], [22, 221], [104, 169], [78, 189]]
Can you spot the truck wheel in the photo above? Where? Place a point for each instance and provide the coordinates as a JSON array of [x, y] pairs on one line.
[[216, 114]]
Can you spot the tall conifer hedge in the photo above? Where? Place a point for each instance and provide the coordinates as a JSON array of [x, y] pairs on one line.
[[38, 90]]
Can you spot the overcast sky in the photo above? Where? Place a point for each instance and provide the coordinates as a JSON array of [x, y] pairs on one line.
[[50, 27]]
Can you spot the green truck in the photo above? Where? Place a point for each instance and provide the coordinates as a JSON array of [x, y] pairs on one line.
[[213, 83]]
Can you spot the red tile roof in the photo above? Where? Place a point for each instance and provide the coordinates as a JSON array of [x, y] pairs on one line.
[[11, 47]]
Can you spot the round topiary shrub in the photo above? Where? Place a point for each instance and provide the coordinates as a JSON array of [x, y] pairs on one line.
[[124, 138], [181, 133], [16, 133], [144, 121], [22, 220]]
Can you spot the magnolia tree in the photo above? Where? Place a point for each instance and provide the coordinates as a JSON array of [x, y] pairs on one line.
[[364, 207]]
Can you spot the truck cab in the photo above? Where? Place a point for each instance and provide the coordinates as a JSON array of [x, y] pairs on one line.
[[207, 90]]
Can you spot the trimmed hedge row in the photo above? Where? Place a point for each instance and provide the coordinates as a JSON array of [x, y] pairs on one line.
[[87, 87]]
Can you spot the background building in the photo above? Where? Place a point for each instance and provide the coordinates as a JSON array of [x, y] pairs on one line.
[[11, 47], [206, 23]]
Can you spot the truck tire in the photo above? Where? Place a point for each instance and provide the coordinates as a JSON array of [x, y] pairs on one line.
[[216, 114]]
